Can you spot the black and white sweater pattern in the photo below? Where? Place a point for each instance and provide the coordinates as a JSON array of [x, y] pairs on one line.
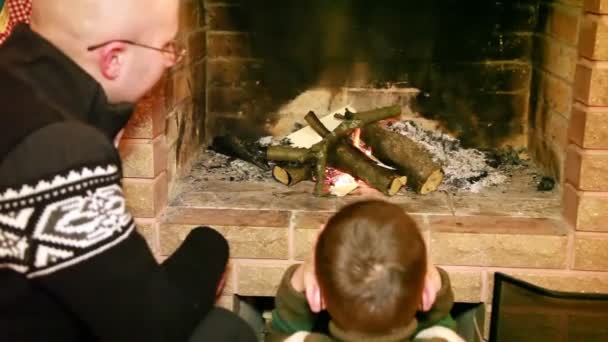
[[56, 223]]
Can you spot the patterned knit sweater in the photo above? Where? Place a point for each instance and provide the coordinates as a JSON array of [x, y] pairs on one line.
[[72, 267]]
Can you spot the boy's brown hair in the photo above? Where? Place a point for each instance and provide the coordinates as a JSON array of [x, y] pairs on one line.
[[370, 263]]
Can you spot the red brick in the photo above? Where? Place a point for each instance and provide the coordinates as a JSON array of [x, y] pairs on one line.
[[591, 252], [226, 17], [498, 241], [146, 198], [594, 37], [143, 158], [188, 15], [228, 44], [591, 83], [589, 126], [564, 23], [557, 131], [587, 169], [178, 86], [559, 58], [148, 120], [557, 93], [597, 6], [197, 45], [585, 211]]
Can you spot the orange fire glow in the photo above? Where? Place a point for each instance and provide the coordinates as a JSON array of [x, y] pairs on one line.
[[343, 179], [342, 183], [356, 138]]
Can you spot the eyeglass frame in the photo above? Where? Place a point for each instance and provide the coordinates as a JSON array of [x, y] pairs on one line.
[[178, 53]]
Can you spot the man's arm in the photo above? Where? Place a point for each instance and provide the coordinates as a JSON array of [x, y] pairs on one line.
[[74, 238]]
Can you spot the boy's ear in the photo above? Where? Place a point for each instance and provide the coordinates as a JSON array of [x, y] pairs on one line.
[[429, 294], [315, 299]]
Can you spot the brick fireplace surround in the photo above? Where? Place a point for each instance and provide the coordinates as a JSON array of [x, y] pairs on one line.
[[557, 240]]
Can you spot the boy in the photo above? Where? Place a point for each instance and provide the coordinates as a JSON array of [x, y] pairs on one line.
[[370, 272]]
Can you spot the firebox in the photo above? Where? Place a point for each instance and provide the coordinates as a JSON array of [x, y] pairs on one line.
[[471, 81], [509, 98]]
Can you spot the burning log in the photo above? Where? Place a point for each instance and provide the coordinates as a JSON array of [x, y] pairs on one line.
[[238, 148], [319, 152], [406, 155], [335, 150], [291, 175], [292, 154], [349, 159]]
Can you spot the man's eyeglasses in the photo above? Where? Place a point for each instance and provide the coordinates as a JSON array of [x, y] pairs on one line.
[[173, 51]]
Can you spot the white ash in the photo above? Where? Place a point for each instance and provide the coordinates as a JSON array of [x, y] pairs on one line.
[[274, 141], [217, 166], [466, 169], [266, 141]]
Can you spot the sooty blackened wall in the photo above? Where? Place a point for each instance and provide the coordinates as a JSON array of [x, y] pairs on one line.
[[471, 59]]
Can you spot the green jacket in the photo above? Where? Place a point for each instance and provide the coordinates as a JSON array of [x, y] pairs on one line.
[[292, 315]]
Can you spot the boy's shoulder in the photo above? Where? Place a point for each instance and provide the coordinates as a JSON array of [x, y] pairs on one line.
[[432, 334], [438, 333], [303, 336]]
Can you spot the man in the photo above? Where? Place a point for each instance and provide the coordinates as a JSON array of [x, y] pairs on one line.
[[72, 268]]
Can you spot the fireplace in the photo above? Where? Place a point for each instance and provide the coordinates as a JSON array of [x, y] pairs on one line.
[[522, 76]]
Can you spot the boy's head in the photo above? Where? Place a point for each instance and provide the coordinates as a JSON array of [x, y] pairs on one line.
[[370, 263]]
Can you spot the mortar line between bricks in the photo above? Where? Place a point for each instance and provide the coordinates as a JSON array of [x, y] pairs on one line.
[[550, 73], [291, 235], [429, 236], [592, 63], [570, 254], [451, 204], [592, 234], [485, 284], [562, 40], [235, 275], [264, 262]]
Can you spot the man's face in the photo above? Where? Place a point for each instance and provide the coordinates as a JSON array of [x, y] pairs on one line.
[[143, 67]]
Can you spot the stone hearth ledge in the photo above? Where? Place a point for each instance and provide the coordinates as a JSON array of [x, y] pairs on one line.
[[512, 230]]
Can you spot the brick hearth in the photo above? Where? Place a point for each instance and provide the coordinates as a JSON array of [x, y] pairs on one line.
[[513, 229]]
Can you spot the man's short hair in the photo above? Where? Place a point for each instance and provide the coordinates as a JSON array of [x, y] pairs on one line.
[[370, 263]]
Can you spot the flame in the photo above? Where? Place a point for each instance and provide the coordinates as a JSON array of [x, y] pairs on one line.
[[342, 183], [356, 138]]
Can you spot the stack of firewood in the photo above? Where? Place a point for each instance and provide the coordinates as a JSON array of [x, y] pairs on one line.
[[410, 164]]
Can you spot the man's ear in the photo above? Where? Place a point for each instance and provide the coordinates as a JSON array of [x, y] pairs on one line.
[[112, 59], [429, 294]]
